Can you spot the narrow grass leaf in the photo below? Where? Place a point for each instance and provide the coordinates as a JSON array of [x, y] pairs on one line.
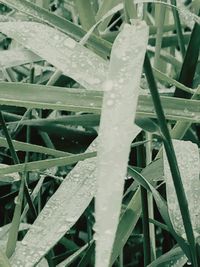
[[74, 256], [13, 177], [46, 164], [118, 113], [105, 7], [49, 97], [187, 155], [162, 207], [57, 98], [73, 59], [22, 146], [13, 231]]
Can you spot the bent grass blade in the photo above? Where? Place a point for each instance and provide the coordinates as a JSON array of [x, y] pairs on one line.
[[73, 59]]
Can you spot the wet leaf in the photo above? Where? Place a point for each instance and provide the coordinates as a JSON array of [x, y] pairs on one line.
[[117, 132], [187, 154], [59, 214], [73, 59], [16, 57]]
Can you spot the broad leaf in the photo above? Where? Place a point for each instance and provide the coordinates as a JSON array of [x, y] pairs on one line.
[[73, 59], [117, 132]]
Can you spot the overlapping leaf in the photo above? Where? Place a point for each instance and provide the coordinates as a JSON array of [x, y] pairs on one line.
[[117, 132], [73, 59], [59, 214]]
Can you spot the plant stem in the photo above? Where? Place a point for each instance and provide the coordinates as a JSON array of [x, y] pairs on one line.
[[183, 204]]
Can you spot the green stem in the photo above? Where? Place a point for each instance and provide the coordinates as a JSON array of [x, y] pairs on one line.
[[183, 204]]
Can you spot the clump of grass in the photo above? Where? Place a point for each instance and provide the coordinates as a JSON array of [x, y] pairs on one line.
[[54, 64]]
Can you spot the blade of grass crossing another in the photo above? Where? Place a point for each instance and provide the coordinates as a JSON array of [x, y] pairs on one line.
[[59, 214], [182, 200], [60, 23], [73, 59]]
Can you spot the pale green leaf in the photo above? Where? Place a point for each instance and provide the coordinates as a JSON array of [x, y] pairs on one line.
[[73, 59], [16, 57], [117, 132], [59, 214], [187, 155]]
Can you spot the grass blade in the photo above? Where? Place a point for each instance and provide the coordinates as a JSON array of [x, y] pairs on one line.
[[190, 61], [13, 232], [60, 213], [4, 262], [187, 155], [60, 23], [57, 98], [16, 57], [175, 258], [118, 112], [182, 200], [73, 59]]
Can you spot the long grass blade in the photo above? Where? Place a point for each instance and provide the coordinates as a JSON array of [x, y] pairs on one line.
[[118, 112]]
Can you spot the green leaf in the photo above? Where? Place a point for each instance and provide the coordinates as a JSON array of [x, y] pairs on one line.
[[73, 59], [59, 214], [60, 23], [4, 262], [16, 57], [57, 98], [162, 207], [22, 146], [46, 164], [13, 231], [174, 258], [118, 113], [187, 155]]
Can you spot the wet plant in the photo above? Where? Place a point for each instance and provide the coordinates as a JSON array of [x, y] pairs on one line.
[[99, 140]]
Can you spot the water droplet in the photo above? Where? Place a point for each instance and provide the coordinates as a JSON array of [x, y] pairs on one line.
[[56, 37], [108, 85], [110, 102], [70, 43], [24, 243]]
